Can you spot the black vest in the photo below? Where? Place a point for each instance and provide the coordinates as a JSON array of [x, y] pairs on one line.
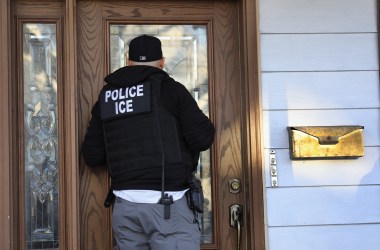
[[140, 134]]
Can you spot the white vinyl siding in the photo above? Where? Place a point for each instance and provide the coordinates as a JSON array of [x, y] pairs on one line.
[[276, 121], [318, 52], [322, 16], [319, 67], [337, 237], [312, 90]]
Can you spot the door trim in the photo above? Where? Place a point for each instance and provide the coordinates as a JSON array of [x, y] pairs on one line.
[[70, 235], [7, 232], [249, 11], [251, 132]]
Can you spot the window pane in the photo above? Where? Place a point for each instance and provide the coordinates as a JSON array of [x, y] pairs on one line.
[[185, 51], [40, 135]]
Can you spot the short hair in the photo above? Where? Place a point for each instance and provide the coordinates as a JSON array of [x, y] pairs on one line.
[[152, 63]]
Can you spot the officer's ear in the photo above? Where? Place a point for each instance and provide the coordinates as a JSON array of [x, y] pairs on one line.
[[162, 62], [129, 63]]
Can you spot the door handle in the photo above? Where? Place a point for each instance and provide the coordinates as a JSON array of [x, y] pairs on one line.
[[236, 221]]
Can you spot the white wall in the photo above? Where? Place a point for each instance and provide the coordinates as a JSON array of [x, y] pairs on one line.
[[319, 62]]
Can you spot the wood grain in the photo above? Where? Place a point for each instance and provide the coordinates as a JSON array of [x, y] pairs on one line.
[[95, 225], [39, 8], [221, 18], [225, 69], [84, 59], [71, 234], [7, 232]]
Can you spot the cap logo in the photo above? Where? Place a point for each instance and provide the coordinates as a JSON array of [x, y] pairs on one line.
[[142, 58]]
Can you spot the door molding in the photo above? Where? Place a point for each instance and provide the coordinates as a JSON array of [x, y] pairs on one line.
[[249, 11], [70, 235], [252, 146], [6, 212]]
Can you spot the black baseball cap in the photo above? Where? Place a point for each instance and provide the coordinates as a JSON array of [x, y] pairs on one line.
[[145, 49]]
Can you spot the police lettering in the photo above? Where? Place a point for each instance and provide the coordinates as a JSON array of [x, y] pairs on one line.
[[124, 93], [125, 101], [122, 98], [123, 106]]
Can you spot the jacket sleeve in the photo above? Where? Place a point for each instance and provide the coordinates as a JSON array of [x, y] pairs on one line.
[[93, 147], [196, 127]]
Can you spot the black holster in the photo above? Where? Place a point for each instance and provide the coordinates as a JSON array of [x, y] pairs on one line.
[[194, 195], [110, 199]]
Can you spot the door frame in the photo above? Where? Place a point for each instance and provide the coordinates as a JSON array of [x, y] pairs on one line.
[[6, 212], [251, 130]]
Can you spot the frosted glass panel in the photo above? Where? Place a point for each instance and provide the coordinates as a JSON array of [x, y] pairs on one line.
[[185, 51], [40, 136]]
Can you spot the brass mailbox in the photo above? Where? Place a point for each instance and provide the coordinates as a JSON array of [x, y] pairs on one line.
[[326, 142]]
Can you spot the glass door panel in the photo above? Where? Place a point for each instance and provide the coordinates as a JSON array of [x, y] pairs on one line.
[[185, 51], [40, 135]]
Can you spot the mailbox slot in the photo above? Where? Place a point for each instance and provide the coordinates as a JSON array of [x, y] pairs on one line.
[[326, 142]]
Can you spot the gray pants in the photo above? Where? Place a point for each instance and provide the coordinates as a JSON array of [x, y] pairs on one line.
[[141, 226]]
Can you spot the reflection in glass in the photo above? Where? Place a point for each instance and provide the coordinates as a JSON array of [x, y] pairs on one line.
[[185, 51], [40, 135]]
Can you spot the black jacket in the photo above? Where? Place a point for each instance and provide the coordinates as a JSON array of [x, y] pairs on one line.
[[196, 129]]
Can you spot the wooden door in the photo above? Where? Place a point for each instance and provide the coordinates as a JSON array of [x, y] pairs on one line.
[[78, 57], [219, 21]]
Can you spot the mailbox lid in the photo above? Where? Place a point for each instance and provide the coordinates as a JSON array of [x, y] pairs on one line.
[[326, 142]]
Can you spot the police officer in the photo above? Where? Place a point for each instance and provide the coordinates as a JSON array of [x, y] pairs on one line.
[[149, 131]]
